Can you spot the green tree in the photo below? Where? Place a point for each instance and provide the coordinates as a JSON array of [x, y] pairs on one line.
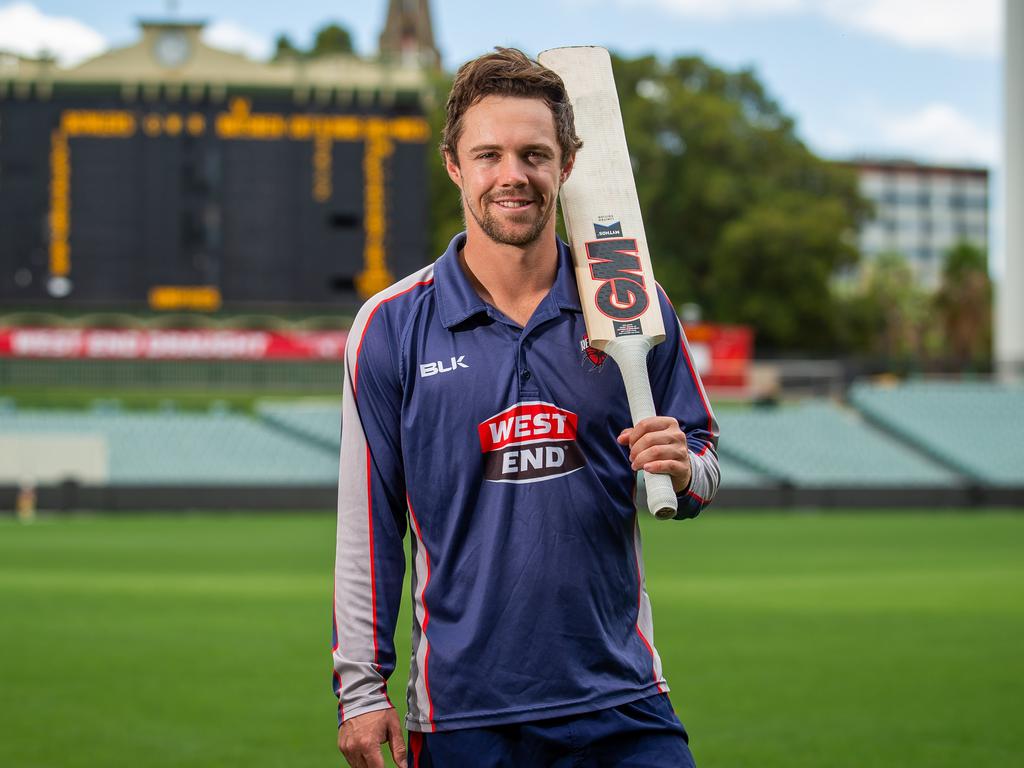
[[964, 305], [742, 217], [445, 204], [331, 39], [896, 308], [284, 49]]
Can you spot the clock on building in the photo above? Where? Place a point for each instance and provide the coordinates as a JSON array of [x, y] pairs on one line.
[[172, 48]]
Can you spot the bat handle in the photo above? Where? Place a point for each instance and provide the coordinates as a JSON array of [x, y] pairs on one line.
[[630, 354]]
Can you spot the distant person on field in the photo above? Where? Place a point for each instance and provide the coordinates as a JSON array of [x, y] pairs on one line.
[[477, 416]]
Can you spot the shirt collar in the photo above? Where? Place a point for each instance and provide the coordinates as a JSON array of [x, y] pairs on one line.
[[458, 301]]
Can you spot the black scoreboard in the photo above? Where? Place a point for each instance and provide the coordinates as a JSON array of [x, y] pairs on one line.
[[197, 204]]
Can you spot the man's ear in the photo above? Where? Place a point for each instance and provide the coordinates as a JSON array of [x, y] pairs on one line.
[[567, 167], [452, 167]]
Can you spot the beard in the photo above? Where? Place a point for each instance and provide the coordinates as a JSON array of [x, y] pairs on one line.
[[517, 230]]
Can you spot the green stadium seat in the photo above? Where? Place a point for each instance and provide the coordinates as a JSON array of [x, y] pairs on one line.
[[974, 427], [820, 444]]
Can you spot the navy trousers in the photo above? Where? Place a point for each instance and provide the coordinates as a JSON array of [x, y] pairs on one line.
[[641, 734]]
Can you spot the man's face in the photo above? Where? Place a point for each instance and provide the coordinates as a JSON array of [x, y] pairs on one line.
[[509, 168]]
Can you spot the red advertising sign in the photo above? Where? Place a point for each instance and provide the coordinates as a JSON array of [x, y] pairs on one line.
[[721, 353], [200, 344]]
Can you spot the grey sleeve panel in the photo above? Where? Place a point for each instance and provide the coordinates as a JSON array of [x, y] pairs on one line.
[[358, 682], [370, 559]]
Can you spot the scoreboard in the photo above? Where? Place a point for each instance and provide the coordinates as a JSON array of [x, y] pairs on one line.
[[185, 204]]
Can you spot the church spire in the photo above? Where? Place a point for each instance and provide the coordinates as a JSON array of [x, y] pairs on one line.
[[408, 35]]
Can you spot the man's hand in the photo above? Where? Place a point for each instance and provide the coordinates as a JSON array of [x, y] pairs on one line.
[[359, 739], [657, 445]]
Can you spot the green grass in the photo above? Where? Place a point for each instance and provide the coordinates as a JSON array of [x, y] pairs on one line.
[[141, 399], [882, 639]]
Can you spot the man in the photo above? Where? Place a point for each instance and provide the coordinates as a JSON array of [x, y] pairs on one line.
[[476, 415]]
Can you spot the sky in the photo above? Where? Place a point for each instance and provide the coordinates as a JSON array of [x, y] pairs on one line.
[[914, 79]]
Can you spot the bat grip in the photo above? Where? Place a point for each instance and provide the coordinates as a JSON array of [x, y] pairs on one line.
[[630, 354]]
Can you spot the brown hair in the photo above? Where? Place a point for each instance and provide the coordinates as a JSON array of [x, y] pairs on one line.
[[508, 72]]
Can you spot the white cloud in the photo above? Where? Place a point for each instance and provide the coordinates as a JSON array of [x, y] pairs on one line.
[[934, 132], [25, 30], [969, 27], [938, 131], [966, 27], [231, 36]]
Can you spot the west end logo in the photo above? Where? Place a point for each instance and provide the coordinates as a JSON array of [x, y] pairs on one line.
[[615, 263], [530, 442]]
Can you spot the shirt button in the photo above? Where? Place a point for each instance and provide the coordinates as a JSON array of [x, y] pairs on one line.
[[525, 374]]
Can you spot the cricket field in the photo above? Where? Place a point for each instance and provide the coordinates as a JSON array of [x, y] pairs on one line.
[[790, 640]]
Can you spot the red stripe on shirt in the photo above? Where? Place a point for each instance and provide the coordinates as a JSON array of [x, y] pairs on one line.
[[426, 615], [373, 568], [355, 370], [415, 747], [639, 606]]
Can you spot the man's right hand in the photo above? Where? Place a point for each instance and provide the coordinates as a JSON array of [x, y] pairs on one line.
[[359, 739]]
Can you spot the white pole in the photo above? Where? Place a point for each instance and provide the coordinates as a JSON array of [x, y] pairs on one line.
[[1009, 330]]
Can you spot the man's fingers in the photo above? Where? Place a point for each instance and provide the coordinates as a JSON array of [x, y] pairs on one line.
[[658, 445], [397, 744], [653, 424]]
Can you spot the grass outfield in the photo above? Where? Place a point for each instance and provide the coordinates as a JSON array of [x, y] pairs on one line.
[[881, 639]]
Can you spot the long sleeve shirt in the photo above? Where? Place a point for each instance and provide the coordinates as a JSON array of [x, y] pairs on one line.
[[494, 447]]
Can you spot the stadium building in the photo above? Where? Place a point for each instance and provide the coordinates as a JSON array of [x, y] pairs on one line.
[[922, 211]]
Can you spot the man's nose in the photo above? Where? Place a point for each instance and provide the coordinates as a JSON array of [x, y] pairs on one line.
[[512, 171]]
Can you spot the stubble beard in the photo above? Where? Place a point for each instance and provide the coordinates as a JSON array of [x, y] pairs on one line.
[[508, 233]]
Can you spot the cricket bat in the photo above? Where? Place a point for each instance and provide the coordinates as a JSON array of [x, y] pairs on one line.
[[606, 232]]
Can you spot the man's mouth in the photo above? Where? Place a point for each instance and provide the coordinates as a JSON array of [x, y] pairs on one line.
[[512, 204]]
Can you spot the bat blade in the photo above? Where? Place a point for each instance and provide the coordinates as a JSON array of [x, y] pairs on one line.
[[601, 211]]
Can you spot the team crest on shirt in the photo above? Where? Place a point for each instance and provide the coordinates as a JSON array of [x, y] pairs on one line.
[[530, 442], [595, 356]]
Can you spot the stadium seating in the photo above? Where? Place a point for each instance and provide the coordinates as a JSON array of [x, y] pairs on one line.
[[977, 428], [186, 447], [317, 420], [818, 444], [737, 475]]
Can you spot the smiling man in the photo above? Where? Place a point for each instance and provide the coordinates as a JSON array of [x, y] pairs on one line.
[[477, 418]]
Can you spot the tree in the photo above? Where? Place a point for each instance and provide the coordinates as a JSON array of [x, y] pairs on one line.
[[897, 309], [445, 214], [331, 39], [742, 217], [284, 49], [964, 305]]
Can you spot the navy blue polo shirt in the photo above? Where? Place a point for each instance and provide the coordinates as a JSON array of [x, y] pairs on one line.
[[494, 444]]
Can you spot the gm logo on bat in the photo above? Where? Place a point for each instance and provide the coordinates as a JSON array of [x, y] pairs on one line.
[[615, 264]]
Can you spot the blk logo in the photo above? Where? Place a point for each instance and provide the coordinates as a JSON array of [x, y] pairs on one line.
[[432, 369], [530, 442]]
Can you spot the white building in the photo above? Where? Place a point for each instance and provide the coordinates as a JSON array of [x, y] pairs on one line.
[[922, 211]]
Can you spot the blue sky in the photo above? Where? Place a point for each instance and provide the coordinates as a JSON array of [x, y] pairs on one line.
[[915, 79], [909, 78]]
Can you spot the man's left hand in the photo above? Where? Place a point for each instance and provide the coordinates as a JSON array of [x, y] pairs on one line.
[[657, 445]]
